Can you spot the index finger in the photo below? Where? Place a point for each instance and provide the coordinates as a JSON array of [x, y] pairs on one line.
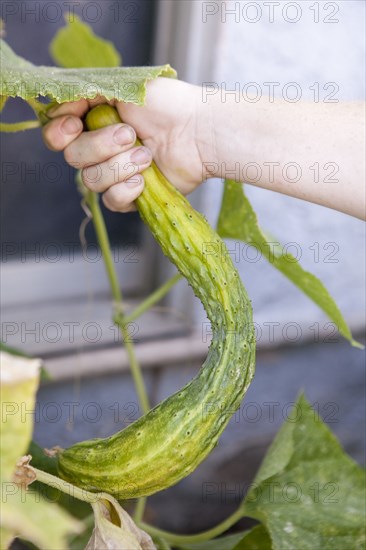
[[73, 108]]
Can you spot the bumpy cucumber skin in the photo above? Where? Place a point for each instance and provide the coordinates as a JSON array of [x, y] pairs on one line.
[[169, 442]]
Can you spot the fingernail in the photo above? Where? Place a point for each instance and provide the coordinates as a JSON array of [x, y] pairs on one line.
[[135, 181], [71, 125], [124, 135], [141, 155]]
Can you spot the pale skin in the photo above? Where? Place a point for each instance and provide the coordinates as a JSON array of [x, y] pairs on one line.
[[310, 151]]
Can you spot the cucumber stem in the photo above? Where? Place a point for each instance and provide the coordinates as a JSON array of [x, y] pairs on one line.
[[67, 488], [153, 298], [162, 544], [12, 127], [104, 243], [174, 539], [140, 509]]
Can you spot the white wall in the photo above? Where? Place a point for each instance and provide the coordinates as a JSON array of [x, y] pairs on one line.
[[304, 52]]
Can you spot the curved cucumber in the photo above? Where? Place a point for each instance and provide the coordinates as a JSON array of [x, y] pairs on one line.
[[169, 442]]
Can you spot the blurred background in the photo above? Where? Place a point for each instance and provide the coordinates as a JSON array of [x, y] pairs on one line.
[[54, 292]]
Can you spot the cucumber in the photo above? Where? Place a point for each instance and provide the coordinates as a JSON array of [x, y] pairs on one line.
[[171, 440]]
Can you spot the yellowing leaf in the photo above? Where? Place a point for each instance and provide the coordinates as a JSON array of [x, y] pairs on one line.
[[28, 516], [19, 382], [114, 529]]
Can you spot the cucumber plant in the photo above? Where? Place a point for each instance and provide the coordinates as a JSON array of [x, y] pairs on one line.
[[170, 440]]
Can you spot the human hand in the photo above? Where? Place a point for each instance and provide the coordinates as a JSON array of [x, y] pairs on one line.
[[168, 125]]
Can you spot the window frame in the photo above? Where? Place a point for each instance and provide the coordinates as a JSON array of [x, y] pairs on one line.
[[24, 285]]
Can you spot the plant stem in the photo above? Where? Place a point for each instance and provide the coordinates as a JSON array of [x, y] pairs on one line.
[[103, 240], [19, 126], [174, 539], [41, 109], [140, 509], [155, 297], [61, 485], [36, 105], [136, 371], [163, 545]]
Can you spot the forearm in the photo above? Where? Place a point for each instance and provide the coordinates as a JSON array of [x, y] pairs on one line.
[[309, 151]]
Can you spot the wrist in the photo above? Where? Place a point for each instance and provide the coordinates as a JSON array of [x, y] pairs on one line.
[[223, 135], [206, 135]]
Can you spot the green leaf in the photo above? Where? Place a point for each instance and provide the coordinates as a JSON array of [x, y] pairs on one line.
[[221, 543], [237, 220], [20, 78], [255, 539], [308, 493], [41, 461], [19, 383], [13, 351], [26, 515], [76, 46]]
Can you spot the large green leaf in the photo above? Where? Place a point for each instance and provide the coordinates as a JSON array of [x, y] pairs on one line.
[[308, 493], [76, 46], [255, 539], [20, 78], [237, 220], [222, 543]]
